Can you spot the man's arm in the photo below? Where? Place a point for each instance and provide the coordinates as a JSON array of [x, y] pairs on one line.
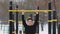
[[36, 18], [23, 20]]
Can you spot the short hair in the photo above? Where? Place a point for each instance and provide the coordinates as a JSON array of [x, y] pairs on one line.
[[29, 19]]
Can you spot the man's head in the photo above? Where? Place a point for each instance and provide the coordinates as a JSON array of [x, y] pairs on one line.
[[29, 21]]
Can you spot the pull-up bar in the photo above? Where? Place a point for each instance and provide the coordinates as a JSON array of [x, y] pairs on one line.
[[30, 10], [52, 20]]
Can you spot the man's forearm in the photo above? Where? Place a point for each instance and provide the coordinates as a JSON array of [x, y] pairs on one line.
[[36, 18], [23, 20], [22, 16]]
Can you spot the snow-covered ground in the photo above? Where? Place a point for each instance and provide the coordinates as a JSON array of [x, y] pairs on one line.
[[45, 31], [1, 32]]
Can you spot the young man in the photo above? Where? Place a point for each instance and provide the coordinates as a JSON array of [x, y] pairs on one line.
[[30, 25]]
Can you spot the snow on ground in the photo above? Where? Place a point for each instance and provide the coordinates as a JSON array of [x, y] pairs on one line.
[[1, 32], [45, 29]]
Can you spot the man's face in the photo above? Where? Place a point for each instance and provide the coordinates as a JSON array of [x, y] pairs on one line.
[[30, 23]]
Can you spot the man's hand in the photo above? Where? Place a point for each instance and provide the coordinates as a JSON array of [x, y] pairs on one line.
[[36, 12], [23, 13]]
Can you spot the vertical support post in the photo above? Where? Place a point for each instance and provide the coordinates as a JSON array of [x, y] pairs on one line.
[[58, 28], [49, 18], [11, 17], [54, 22], [16, 20]]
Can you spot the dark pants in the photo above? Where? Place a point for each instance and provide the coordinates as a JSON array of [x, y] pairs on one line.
[[30, 33]]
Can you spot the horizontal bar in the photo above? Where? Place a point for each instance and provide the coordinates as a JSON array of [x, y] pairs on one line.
[[15, 21], [30, 10], [53, 20], [11, 20], [49, 20]]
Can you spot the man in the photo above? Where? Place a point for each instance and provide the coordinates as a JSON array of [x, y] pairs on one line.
[[30, 25]]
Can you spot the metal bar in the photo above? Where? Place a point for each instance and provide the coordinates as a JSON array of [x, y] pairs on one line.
[[16, 20], [54, 23], [11, 17], [30, 10], [49, 18], [59, 29]]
